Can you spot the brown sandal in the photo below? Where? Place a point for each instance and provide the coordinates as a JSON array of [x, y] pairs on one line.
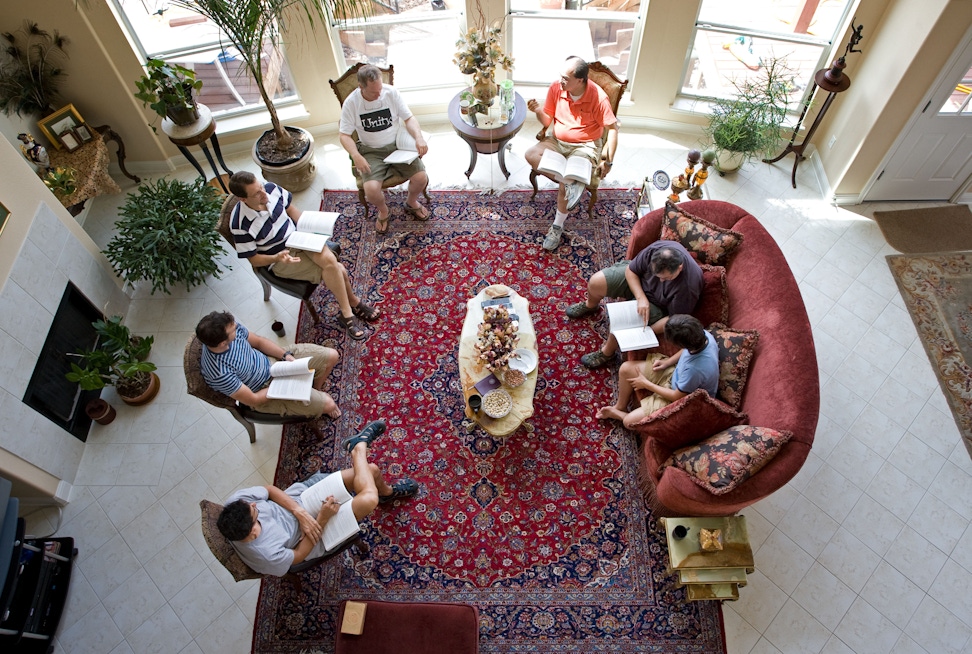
[[417, 212], [366, 312], [350, 326], [381, 226]]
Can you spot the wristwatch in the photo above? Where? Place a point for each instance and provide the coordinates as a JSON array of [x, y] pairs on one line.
[[286, 354]]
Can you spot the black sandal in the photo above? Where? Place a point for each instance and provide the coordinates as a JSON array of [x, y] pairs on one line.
[[348, 325], [366, 312]]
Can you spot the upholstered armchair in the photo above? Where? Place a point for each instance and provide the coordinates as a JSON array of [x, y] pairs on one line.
[[614, 88], [343, 87]]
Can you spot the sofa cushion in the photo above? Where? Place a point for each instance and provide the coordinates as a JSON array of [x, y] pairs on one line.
[[689, 420], [736, 348], [713, 304], [722, 462], [707, 242]]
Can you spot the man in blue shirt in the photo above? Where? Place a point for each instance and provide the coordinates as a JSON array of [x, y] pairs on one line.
[[696, 366], [236, 362]]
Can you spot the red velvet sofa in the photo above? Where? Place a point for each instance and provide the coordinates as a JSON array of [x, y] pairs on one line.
[[783, 387]]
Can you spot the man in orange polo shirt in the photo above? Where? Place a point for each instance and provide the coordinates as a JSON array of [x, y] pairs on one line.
[[580, 112]]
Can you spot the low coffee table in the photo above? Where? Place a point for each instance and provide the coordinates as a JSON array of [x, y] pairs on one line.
[[471, 371]]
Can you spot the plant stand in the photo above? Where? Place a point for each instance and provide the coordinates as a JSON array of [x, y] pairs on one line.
[[197, 134]]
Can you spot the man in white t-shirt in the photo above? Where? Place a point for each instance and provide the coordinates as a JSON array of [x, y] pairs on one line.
[[377, 112]]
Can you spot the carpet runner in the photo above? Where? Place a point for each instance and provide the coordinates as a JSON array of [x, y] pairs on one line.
[[545, 532]]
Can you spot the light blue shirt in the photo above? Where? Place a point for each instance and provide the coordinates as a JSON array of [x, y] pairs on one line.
[[700, 370]]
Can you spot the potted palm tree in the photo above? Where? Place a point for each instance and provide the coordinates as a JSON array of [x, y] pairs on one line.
[[751, 124], [118, 360], [285, 154], [168, 90]]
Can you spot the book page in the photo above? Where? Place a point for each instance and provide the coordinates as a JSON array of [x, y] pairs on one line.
[[578, 169], [553, 163], [405, 141], [292, 387], [295, 367], [307, 241], [624, 315], [638, 338], [401, 157], [319, 222]]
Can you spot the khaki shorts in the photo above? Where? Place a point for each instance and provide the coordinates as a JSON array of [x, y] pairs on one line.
[[319, 357], [584, 149], [380, 171], [654, 402]]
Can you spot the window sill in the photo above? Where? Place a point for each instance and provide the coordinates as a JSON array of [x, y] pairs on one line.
[[227, 125]]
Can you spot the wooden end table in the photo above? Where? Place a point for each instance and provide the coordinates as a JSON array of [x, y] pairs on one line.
[[488, 141], [472, 372], [196, 134], [709, 575]]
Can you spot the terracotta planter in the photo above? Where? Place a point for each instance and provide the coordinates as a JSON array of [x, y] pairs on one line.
[[100, 411], [153, 389]]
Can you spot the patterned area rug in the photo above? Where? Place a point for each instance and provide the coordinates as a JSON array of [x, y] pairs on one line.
[[937, 290], [545, 532]]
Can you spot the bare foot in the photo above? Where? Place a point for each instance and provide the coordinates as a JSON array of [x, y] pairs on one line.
[[331, 409], [610, 413]]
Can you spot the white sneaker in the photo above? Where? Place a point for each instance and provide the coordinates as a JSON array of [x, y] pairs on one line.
[[574, 190], [552, 240]]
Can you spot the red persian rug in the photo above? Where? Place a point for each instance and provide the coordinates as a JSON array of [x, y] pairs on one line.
[[545, 532]]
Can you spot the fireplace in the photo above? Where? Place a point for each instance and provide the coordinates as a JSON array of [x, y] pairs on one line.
[[49, 392]]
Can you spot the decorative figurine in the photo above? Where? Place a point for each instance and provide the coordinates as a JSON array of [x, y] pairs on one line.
[[34, 151], [692, 180]]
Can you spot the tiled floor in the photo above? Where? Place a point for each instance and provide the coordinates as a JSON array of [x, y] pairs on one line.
[[868, 550]]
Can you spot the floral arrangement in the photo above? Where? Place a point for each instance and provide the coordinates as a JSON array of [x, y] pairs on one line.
[[479, 53], [61, 181], [497, 338]]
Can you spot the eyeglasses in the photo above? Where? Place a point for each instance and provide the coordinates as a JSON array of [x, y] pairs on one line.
[[566, 78]]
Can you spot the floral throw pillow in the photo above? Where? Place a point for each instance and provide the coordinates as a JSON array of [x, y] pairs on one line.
[[736, 349], [722, 462], [706, 242]]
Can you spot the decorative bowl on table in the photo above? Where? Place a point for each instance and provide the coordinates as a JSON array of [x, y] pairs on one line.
[[523, 360], [497, 403], [513, 377]]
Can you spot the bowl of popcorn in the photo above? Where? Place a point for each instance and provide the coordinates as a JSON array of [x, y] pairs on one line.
[[513, 378], [497, 403]]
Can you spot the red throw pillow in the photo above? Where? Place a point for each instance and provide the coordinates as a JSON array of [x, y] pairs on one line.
[[722, 462], [696, 416], [736, 349], [713, 305], [707, 242]]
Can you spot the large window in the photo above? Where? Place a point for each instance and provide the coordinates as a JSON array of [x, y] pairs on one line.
[[732, 39], [177, 35], [545, 32], [418, 37]]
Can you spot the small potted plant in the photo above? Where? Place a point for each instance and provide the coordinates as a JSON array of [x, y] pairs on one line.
[[118, 360], [751, 124], [168, 90], [166, 234]]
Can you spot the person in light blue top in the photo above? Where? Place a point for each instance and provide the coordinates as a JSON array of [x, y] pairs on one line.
[[667, 379]]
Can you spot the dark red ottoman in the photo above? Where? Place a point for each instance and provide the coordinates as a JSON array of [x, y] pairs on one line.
[[413, 628]]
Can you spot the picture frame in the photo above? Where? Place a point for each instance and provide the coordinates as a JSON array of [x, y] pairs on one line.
[[84, 133], [4, 214], [65, 119], [70, 140]]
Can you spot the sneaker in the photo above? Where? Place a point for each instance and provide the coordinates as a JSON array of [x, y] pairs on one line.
[[580, 310], [552, 240], [366, 435], [574, 190], [596, 359], [400, 490]]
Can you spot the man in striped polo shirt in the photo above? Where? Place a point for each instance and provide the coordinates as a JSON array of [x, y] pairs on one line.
[[260, 224], [236, 362]]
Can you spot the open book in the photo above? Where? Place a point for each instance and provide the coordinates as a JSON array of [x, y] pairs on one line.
[[563, 169], [291, 380], [343, 524], [406, 150], [629, 328], [313, 230]]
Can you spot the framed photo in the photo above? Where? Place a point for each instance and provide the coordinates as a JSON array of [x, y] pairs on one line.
[[65, 119], [4, 214], [84, 133], [70, 140]]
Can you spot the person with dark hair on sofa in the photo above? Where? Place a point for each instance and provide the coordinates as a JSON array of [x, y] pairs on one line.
[[236, 362], [663, 278], [667, 379], [273, 529]]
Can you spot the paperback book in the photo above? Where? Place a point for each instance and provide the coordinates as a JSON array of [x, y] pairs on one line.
[[629, 328], [564, 169], [313, 230], [291, 380]]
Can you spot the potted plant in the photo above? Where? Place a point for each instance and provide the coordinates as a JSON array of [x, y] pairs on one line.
[[285, 154], [118, 360], [479, 53], [61, 181], [166, 234], [168, 90], [751, 124], [31, 71]]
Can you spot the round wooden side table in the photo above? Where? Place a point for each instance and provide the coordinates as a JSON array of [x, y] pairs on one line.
[[185, 136], [488, 141]]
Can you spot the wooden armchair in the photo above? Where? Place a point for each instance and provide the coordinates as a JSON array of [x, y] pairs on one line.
[[614, 88], [223, 550], [196, 386], [343, 87]]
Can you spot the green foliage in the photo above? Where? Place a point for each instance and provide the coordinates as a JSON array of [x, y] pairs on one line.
[[752, 122], [118, 360], [166, 86], [167, 235], [61, 181], [30, 71]]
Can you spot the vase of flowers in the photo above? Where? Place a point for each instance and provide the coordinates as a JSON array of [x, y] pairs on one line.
[[497, 338], [479, 53]]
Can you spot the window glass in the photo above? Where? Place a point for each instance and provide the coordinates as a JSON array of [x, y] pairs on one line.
[[958, 101]]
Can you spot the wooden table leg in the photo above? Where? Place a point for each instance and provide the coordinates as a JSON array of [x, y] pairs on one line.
[[111, 135]]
